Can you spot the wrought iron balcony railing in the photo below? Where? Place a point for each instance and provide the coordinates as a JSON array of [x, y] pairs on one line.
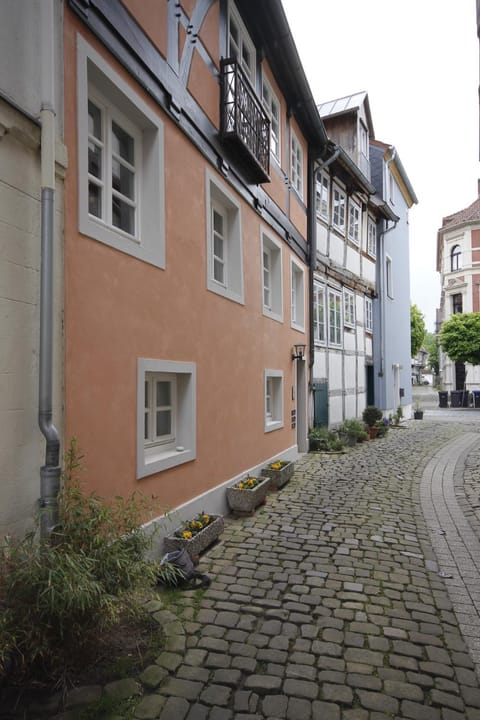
[[244, 120]]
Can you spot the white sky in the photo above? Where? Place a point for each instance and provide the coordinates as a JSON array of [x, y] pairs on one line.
[[418, 60]]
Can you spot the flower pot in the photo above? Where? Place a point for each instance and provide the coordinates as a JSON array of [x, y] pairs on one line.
[[418, 414], [279, 477], [373, 432], [245, 501], [199, 542]]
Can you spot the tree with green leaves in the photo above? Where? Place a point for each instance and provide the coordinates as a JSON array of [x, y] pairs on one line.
[[417, 329], [460, 338], [431, 346]]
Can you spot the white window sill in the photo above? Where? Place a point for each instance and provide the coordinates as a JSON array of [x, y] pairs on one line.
[[156, 460], [273, 315], [273, 425]]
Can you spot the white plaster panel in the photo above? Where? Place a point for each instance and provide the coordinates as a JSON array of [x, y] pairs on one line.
[[350, 406], [322, 234], [350, 363], [335, 411], [337, 245], [368, 270], [349, 341], [353, 260], [335, 371], [320, 363]]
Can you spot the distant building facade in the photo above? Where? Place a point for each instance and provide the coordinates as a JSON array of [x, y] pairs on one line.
[[458, 262]]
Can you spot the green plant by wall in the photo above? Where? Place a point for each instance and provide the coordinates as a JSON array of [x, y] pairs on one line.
[[57, 595], [371, 415]]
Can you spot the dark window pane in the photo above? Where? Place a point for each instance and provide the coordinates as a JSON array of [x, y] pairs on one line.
[[122, 144], [94, 200], [123, 216]]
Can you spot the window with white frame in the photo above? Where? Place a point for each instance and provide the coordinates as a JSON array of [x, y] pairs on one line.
[[354, 215], [339, 204], [120, 162], [334, 317], [272, 282], [166, 407], [240, 46], [391, 187], [349, 308], [224, 242], [297, 284], [273, 400], [368, 314], [455, 258], [318, 312], [272, 106], [296, 165], [372, 238], [389, 276], [322, 191]]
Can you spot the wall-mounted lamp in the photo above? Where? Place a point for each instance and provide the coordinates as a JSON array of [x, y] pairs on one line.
[[298, 352]]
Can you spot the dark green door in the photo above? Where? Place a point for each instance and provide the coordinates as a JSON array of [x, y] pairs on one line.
[[320, 404], [370, 386]]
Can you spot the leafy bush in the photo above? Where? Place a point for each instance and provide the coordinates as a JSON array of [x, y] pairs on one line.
[[354, 428], [57, 595], [371, 415], [321, 438]]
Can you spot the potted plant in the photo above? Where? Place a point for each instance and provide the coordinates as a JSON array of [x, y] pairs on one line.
[[321, 439], [195, 535], [417, 411], [354, 430], [382, 426], [371, 415], [279, 473], [247, 494]]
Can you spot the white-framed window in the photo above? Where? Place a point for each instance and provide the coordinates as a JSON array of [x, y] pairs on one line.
[[391, 188], [224, 242], [297, 285], [240, 45], [319, 320], [166, 414], [348, 308], [334, 317], [120, 162], [273, 400], [455, 258], [372, 238], [354, 225], [368, 314], [272, 106], [272, 276], [388, 276], [339, 205], [322, 195], [296, 165]]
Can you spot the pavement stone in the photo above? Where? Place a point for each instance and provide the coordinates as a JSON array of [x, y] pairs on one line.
[[333, 601]]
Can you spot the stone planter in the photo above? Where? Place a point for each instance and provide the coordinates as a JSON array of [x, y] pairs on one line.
[[279, 478], [199, 542], [244, 502]]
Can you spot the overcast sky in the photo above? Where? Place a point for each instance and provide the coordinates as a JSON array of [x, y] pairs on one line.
[[418, 60]]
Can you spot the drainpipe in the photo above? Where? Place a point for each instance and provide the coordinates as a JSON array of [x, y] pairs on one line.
[[50, 472], [381, 294]]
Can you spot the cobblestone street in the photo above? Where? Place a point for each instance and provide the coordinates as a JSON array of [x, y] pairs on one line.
[[345, 596]]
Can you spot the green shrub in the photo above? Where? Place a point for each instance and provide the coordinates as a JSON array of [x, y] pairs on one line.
[[354, 428], [371, 415], [321, 438], [57, 595]]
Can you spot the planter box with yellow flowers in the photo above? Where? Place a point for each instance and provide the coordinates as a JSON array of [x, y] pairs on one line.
[[195, 535], [279, 473], [247, 494]]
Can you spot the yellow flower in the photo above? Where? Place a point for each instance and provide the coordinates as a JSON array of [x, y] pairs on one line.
[[187, 534], [276, 466], [206, 518]]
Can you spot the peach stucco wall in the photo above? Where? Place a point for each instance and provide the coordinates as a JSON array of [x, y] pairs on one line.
[[119, 309], [151, 15]]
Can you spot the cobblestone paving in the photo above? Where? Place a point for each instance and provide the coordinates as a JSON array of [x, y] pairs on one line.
[[328, 603]]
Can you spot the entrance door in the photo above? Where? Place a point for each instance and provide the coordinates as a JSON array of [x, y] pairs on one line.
[[460, 375], [301, 410], [320, 404]]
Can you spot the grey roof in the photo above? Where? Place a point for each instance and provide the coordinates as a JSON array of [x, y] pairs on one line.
[[347, 104]]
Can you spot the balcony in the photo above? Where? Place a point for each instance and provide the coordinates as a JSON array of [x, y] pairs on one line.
[[244, 122]]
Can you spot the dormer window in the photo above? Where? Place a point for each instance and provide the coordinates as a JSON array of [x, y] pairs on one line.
[[240, 46]]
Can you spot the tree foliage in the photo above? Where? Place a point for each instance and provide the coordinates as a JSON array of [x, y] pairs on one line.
[[417, 329], [431, 346], [460, 338]]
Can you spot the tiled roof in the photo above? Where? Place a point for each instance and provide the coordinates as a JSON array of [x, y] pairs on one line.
[[469, 214]]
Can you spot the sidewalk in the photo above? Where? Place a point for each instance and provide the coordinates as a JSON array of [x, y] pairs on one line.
[[329, 602]]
